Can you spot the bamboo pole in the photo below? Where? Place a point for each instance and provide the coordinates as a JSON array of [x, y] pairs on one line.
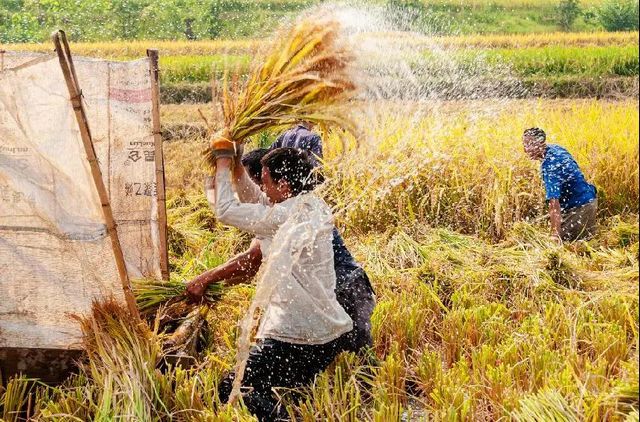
[[159, 163], [214, 85], [66, 64]]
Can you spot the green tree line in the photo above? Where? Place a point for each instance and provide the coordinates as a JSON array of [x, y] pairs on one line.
[[100, 20], [97, 20]]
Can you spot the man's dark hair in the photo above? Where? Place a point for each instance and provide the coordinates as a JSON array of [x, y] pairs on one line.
[[295, 167], [251, 161], [536, 132]]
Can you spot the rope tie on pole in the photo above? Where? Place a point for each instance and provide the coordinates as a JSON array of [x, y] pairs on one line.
[[76, 101]]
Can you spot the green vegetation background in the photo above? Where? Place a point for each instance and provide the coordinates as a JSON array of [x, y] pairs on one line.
[[99, 20]]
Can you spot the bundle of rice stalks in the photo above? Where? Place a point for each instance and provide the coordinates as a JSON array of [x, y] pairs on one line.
[[122, 355], [182, 324], [527, 236], [621, 233], [151, 294], [302, 75], [560, 271], [624, 398], [108, 333]]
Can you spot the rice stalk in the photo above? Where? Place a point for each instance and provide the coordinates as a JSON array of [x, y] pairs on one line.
[[303, 73], [122, 356], [338, 394], [13, 398], [624, 398], [182, 345], [151, 294], [545, 406]]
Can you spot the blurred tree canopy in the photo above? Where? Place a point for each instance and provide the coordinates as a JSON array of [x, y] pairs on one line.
[[98, 20], [105, 20]]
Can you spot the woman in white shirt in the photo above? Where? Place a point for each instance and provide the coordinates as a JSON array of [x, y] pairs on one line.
[[302, 322]]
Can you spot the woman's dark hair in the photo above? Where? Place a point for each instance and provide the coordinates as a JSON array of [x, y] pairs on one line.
[[251, 161], [295, 167]]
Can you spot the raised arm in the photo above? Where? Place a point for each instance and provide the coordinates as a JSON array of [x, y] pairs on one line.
[[256, 218], [246, 189]]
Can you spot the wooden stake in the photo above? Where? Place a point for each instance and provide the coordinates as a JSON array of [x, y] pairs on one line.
[[159, 162], [66, 64]]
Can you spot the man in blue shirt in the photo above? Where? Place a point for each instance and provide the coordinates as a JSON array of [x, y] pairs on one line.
[[572, 201]]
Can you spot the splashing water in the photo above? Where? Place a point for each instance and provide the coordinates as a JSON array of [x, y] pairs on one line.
[[405, 77], [402, 76]]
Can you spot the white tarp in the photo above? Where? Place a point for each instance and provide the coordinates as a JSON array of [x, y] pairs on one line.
[[11, 59], [55, 255]]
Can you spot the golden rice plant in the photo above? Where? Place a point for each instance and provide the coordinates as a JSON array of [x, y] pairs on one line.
[[124, 376], [14, 397], [575, 39], [122, 355], [546, 405], [302, 74]]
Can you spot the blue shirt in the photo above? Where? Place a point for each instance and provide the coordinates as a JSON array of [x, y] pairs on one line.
[[563, 179]]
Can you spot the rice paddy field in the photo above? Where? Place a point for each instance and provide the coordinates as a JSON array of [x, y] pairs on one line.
[[603, 64], [480, 314]]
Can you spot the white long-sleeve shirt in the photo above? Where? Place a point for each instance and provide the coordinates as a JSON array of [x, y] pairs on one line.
[[297, 281]]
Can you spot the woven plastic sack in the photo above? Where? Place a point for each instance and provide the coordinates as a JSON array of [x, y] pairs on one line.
[[55, 254]]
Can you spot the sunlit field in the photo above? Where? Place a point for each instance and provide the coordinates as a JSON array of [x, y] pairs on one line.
[[481, 314], [464, 156], [503, 324]]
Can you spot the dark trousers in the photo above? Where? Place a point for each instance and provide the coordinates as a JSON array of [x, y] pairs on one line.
[[272, 363], [579, 222], [355, 294]]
